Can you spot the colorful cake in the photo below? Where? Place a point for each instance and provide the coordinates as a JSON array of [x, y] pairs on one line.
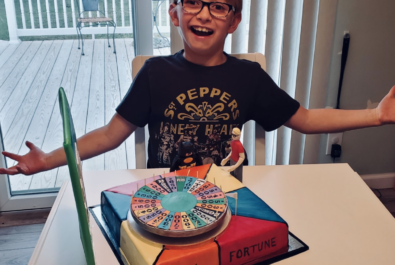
[[190, 217]]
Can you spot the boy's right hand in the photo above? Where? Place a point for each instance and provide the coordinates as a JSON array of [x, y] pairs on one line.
[[31, 163]]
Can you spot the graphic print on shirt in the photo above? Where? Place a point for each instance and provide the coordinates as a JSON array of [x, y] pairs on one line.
[[203, 116], [166, 142]]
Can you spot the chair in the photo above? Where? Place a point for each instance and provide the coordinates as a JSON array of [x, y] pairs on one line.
[[255, 149], [89, 6], [74, 164]]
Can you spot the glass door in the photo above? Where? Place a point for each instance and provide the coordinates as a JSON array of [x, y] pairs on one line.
[[161, 27], [31, 73], [14, 201]]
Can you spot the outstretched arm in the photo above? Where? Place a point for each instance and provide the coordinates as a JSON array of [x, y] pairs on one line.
[[335, 120], [92, 144]]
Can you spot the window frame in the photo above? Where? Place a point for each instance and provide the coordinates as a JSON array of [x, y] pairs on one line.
[[21, 200]]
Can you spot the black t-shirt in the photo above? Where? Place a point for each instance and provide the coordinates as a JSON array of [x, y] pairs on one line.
[[182, 101]]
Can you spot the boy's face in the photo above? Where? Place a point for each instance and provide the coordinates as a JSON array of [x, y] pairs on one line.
[[203, 33]]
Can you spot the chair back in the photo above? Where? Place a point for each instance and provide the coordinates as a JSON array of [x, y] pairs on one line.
[[90, 5], [142, 134], [77, 182]]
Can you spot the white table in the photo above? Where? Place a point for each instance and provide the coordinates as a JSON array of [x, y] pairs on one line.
[[329, 207]]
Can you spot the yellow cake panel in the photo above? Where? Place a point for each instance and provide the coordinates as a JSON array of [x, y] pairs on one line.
[[124, 260], [138, 250], [223, 179]]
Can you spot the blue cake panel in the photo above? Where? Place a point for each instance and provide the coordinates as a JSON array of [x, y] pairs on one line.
[[250, 205], [115, 209]]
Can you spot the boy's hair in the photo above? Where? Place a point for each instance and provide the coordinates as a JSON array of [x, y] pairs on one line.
[[238, 4]]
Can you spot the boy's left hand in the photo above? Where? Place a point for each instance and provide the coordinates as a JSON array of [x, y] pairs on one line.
[[386, 108]]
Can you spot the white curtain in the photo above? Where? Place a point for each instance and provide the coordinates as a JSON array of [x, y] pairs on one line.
[[304, 72], [296, 38]]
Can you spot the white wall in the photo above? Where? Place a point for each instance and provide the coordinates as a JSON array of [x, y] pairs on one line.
[[370, 73]]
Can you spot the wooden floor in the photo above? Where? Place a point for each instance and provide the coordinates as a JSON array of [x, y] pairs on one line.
[[17, 243], [30, 76], [19, 233]]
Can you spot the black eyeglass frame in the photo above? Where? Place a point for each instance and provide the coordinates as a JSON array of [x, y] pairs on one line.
[[231, 8]]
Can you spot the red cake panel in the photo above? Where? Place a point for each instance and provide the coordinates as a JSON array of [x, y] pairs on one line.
[[193, 172], [248, 239], [177, 223]]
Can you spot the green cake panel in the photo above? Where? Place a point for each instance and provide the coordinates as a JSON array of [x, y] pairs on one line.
[[148, 190], [166, 223], [180, 183], [196, 219]]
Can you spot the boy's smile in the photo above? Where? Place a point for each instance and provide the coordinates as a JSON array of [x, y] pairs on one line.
[[201, 31], [203, 34]]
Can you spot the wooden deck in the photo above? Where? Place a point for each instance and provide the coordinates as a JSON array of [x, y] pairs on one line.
[[30, 75]]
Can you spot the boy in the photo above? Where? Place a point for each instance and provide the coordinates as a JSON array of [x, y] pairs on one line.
[[204, 87]]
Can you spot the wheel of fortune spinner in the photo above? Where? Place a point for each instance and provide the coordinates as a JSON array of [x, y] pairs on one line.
[[179, 206]]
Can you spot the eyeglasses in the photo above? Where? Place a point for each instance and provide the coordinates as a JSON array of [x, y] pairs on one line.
[[216, 9]]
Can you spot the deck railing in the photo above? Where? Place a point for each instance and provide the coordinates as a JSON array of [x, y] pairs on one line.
[[59, 17]]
